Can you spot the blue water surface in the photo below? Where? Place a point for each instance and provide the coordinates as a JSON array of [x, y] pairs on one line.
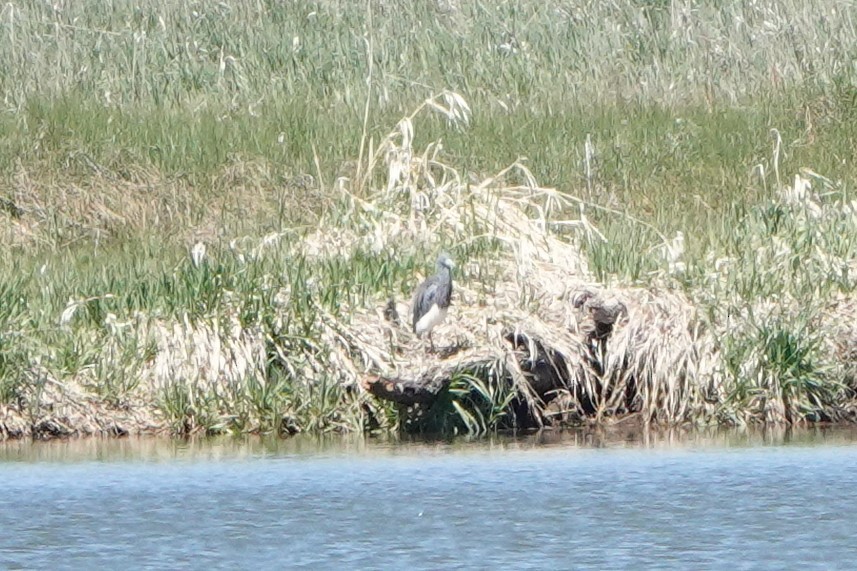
[[489, 505]]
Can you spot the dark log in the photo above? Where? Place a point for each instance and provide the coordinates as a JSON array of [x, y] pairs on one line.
[[541, 365], [406, 391], [542, 369]]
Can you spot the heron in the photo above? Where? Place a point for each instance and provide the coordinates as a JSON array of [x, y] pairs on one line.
[[432, 299]]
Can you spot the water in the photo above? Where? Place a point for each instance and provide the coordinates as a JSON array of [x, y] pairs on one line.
[[722, 502]]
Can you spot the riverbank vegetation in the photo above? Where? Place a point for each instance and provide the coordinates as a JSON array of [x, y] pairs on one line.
[[207, 209]]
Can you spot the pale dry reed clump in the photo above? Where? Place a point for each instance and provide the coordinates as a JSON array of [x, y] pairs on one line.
[[543, 326], [205, 352]]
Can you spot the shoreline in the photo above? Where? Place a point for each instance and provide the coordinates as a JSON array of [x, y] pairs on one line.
[[619, 434]]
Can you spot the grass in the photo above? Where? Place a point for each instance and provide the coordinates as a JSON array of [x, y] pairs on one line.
[[273, 134]]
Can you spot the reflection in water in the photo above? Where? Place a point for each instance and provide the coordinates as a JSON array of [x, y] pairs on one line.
[[201, 448], [609, 499]]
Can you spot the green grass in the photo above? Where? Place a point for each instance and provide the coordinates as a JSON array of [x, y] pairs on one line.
[[131, 131], [193, 87]]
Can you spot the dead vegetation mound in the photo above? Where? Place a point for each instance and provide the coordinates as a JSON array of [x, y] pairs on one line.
[[562, 346]]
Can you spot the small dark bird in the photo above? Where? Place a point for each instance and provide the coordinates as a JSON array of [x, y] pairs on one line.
[[432, 299]]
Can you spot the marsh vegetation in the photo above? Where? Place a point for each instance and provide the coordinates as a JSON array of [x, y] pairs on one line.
[[206, 207]]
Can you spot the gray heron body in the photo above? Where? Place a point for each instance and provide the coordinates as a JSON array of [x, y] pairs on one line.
[[432, 299]]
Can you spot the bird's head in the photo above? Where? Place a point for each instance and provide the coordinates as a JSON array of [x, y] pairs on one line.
[[444, 261]]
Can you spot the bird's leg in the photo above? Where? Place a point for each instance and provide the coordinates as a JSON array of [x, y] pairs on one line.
[[431, 342]]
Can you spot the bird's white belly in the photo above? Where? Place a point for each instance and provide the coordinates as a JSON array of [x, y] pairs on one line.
[[433, 316]]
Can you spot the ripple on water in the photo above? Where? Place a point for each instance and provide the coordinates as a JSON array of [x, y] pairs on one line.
[[718, 500]]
